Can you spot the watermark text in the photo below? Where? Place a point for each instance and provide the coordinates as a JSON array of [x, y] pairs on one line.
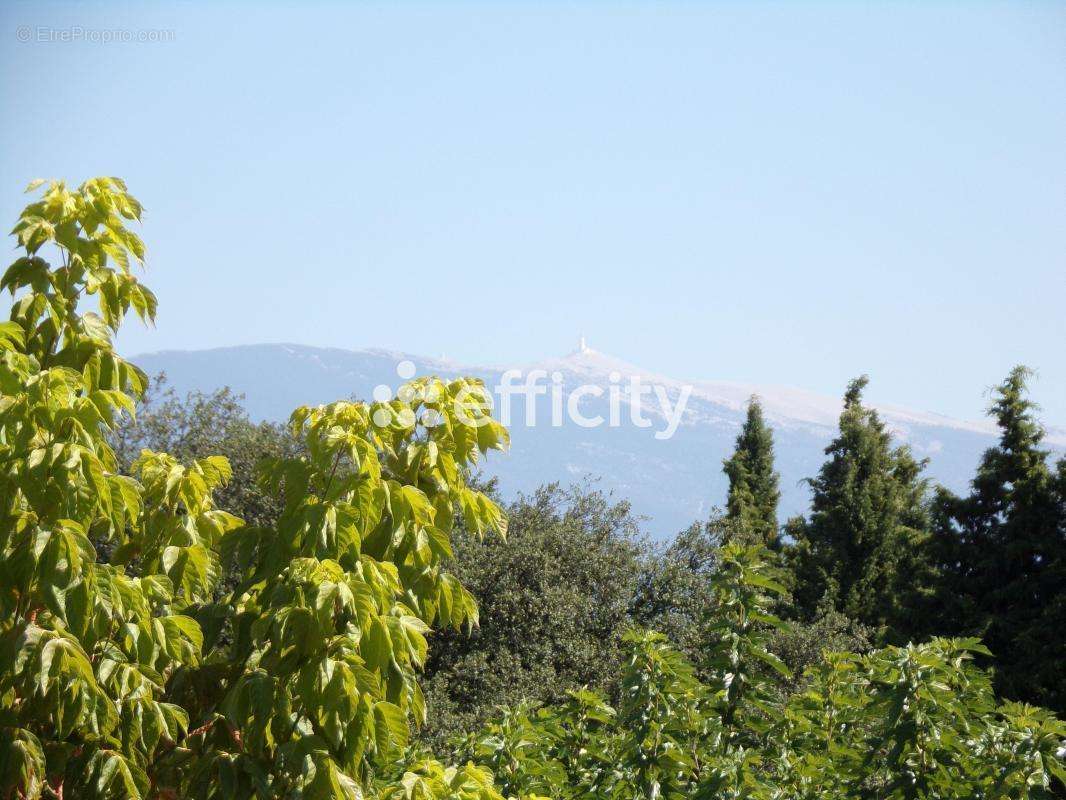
[[43, 34]]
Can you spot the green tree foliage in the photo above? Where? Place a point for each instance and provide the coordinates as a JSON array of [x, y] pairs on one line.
[[199, 425], [910, 722], [129, 668], [428, 779], [863, 551], [679, 594], [1004, 554], [127, 675], [675, 595], [753, 492], [554, 598], [746, 587], [802, 642]]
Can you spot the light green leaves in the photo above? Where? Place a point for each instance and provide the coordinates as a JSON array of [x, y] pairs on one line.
[[337, 602], [390, 730], [22, 762], [109, 774], [86, 647], [310, 679], [431, 780], [54, 678]]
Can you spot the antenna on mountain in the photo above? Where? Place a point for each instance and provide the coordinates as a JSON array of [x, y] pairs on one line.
[[581, 346]]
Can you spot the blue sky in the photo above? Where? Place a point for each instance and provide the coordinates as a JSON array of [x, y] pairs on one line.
[[775, 193]]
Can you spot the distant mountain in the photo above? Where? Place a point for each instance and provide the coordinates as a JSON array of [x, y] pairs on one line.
[[671, 482]]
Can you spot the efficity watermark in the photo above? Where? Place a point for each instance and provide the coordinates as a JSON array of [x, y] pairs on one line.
[[72, 34], [630, 400]]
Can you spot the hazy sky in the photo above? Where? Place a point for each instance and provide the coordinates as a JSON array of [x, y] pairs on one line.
[[778, 193]]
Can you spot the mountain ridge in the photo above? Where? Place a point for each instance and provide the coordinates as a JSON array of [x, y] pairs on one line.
[[672, 483]]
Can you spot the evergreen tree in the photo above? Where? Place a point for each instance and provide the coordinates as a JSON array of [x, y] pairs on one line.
[[863, 550], [1004, 554], [753, 492]]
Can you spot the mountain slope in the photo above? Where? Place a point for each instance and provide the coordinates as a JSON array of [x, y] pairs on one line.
[[671, 481]]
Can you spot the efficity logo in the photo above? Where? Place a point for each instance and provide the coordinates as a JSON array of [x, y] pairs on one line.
[[623, 401]]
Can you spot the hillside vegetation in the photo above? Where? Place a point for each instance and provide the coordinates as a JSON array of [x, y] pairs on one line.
[[340, 607]]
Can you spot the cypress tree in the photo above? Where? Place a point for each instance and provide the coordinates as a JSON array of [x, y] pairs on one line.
[[862, 552], [1003, 551], [753, 484]]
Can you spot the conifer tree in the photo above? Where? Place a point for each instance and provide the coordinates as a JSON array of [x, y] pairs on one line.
[[863, 550], [753, 492], [1003, 549]]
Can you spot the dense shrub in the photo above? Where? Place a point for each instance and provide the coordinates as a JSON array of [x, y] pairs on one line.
[[554, 600]]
